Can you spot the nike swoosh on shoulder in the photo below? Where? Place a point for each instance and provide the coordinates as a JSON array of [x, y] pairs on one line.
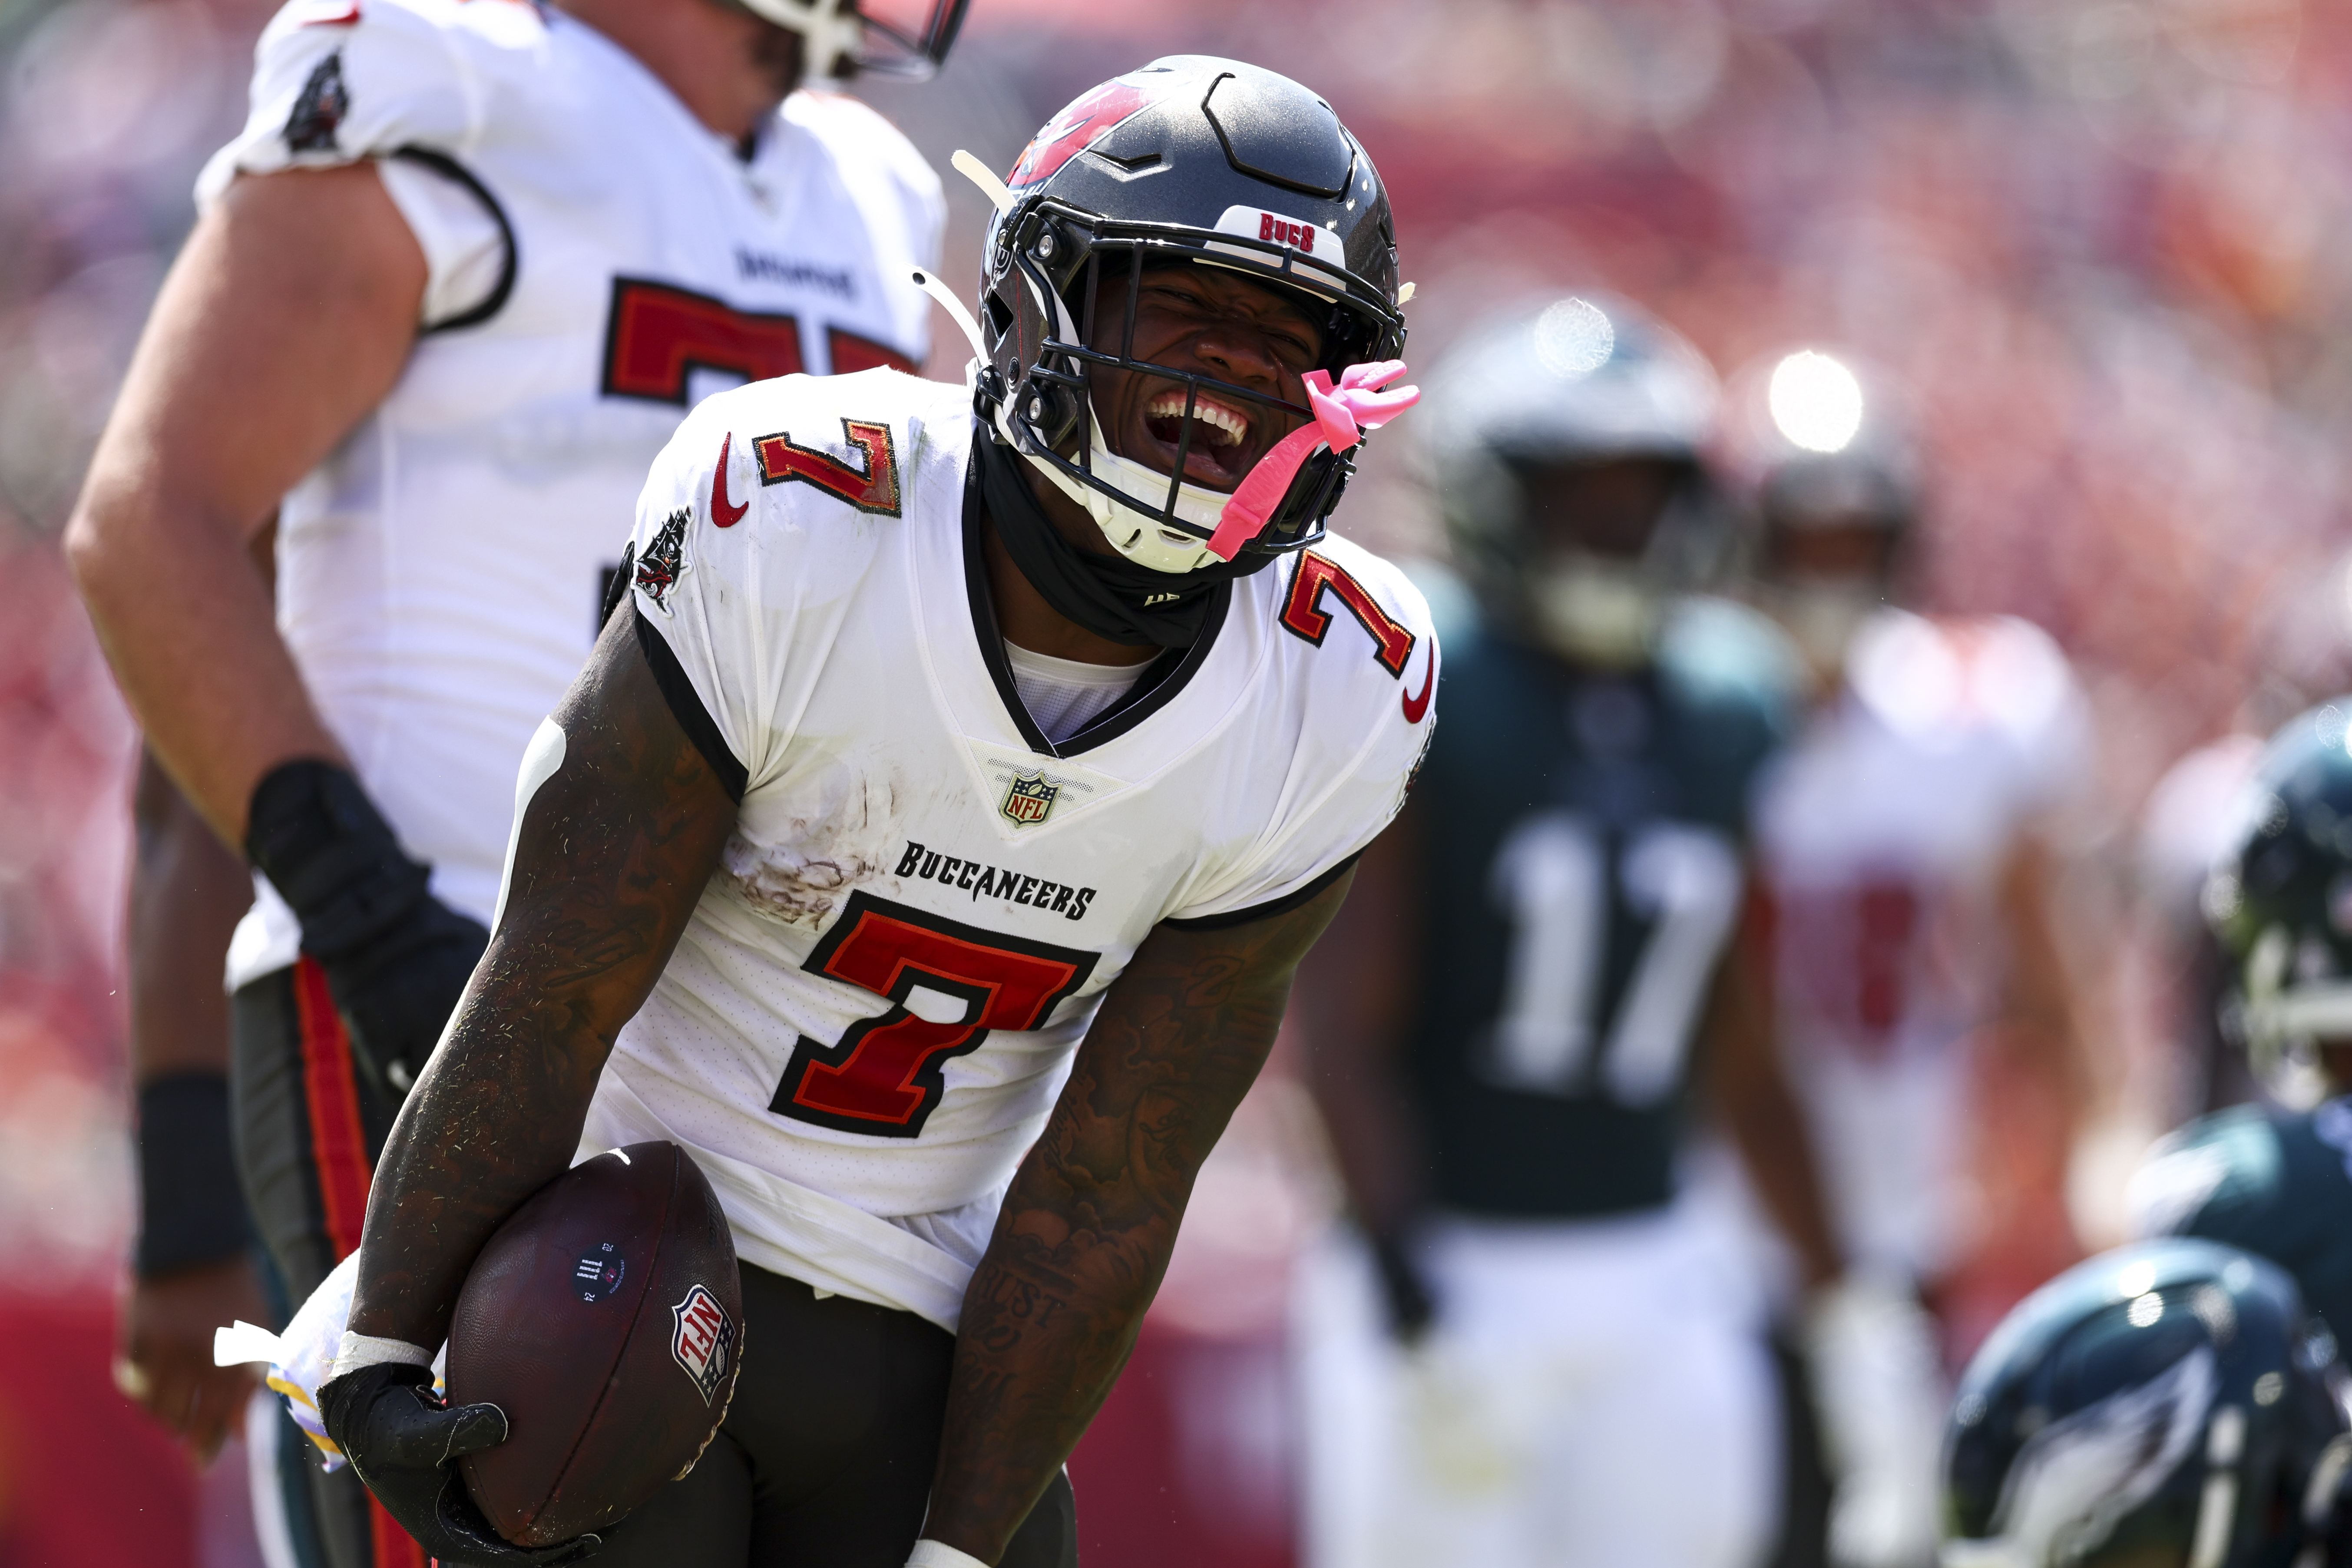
[[723, 512], [1416, 707]]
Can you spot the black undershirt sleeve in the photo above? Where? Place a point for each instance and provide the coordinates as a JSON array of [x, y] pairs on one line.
[[688, 709]]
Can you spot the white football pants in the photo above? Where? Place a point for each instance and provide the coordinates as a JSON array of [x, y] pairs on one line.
[[1593, 1395]]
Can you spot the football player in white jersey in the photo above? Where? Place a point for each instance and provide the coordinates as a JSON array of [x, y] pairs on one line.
[[1916, 970], [450, 291], [931, 840]]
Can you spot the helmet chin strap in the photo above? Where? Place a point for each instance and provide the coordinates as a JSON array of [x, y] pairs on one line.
[[1142, 537], [943, 297], [980, 175]]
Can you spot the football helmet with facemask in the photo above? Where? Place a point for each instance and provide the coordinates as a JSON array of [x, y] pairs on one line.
[[1532, 397], [1204, 162], [2169, 1402], [906, 39], [1829, 452], [2281, 900]]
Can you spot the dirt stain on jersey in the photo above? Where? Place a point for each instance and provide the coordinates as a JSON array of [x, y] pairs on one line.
[[793, 890], [803, 878]]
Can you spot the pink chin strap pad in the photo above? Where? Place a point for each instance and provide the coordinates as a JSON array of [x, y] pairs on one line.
[[1341, 417]]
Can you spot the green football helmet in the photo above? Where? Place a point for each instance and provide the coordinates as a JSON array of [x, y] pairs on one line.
[[2282, 901], [2271, 1181], [1540, 393], [2167, 1405]]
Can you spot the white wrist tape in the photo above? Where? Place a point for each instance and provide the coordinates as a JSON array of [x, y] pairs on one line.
[[359, 1351], [940, 1554]]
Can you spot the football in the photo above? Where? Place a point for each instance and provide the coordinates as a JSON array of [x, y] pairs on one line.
[[604, 1317]]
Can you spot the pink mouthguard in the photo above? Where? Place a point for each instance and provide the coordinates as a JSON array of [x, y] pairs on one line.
[[1342, 418]]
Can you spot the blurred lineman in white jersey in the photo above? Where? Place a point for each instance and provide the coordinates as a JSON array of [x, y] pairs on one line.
[[451, 290], [1922, 1001]]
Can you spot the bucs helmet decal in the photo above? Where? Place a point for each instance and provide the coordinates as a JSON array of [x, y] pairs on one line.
[[1078, 127]]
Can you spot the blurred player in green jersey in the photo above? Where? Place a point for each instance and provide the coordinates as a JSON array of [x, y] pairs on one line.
[[1543, 1352]]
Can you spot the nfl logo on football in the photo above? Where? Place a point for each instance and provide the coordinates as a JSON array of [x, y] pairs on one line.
[[1029, 799], [703, 1340]]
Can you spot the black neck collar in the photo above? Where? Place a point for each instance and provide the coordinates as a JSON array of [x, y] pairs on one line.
[[1156, 684], [1109, 595]]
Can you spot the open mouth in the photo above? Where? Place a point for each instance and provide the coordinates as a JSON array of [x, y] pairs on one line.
[[1220, 437]]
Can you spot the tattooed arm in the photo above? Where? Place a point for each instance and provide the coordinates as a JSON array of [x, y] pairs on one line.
[[1086, 1229], [614, 849]]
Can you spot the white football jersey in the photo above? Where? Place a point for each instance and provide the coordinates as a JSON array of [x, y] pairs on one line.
[[880, 995], [1884, 831], [599, 260]]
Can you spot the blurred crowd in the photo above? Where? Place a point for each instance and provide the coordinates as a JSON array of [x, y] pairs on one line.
[[2099, 244]]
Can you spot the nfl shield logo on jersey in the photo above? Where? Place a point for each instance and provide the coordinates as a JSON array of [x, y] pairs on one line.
[[1029, 799], [703, 1340]]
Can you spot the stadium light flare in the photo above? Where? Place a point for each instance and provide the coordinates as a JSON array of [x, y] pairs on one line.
[[1574, 338], [1816, 402]]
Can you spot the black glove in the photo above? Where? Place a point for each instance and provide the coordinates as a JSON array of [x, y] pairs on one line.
[[404, 1441], [396, 957], [1411, 1308]]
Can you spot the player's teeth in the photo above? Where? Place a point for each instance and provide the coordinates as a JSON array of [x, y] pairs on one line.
[[1228, 428]]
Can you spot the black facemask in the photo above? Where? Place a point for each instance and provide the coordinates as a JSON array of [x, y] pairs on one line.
[[1109, 595]]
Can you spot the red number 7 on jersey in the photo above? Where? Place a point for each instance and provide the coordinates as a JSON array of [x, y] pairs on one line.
[[1303, 614], [884, 1076]]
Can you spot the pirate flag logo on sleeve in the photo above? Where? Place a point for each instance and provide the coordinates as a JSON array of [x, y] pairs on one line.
[[320, 108], [659, 568]]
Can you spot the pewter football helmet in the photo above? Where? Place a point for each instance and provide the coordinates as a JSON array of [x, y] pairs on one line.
[[1195, 160]]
